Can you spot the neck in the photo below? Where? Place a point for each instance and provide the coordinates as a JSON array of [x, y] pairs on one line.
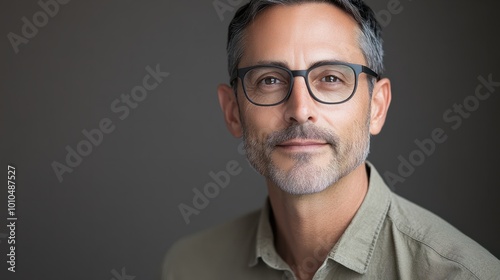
[[308, 226]]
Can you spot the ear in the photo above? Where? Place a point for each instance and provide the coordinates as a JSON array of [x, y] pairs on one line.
[[381, 99], [229, 106]]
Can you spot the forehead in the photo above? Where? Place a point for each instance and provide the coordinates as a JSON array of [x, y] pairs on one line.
[[301, 34]]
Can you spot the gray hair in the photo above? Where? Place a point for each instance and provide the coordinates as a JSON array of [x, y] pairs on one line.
[[370, 39]]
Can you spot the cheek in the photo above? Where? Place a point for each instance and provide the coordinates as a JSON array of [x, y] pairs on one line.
[[261, 121], [348, 118]]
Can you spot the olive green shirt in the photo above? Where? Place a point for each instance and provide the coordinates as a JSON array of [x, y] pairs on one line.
[[388, 238]]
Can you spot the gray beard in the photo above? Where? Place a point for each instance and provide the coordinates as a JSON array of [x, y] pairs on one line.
[[305, 177]]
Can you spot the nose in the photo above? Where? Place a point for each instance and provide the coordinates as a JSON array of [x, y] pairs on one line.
[[300, 107]]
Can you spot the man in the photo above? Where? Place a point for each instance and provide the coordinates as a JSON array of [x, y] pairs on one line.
[[305, 96]]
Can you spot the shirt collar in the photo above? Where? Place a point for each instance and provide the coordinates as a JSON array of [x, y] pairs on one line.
[[355, 247], [264, 242]]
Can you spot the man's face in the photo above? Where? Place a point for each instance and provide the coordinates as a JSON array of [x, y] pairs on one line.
[[301, 145]]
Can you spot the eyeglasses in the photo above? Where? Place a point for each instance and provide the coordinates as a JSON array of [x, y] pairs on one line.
[[327, 82]]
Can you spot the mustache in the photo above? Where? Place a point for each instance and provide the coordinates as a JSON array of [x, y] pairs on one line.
[[303, 131]]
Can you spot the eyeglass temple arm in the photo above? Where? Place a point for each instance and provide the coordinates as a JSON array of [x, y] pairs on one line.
[[370, 72]]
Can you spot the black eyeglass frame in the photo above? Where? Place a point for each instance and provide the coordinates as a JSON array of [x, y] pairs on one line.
[[357, 68]]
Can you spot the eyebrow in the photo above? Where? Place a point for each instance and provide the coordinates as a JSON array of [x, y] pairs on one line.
[[284, 64]]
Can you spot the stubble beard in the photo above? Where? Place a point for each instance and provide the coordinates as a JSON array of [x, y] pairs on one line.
[[305, 176]]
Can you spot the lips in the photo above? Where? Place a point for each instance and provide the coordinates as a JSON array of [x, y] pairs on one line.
[[302, 145], [302, 142]]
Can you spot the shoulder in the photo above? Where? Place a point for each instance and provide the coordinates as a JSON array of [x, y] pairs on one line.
[[436, 240], [212, 249]]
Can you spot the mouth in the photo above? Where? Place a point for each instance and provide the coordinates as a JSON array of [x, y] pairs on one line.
[[302, 145]]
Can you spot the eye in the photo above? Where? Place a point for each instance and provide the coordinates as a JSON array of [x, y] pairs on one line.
[[330, 79], [270, 81]]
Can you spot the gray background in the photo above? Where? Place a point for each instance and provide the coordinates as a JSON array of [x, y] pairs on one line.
[[119, 207]]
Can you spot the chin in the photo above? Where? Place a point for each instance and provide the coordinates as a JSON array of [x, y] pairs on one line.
[[305, 180]]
